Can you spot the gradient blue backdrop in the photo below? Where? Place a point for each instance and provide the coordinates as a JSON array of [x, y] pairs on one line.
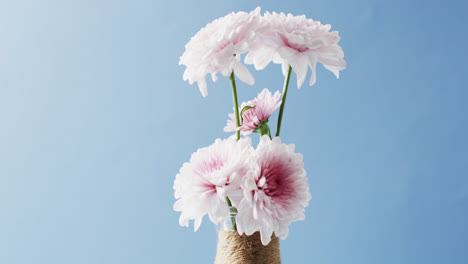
[[95, 122]]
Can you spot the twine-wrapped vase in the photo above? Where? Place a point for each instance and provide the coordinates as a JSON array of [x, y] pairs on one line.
[[236, 249]]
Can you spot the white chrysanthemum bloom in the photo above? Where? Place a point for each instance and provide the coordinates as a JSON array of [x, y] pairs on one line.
[[263, 107], [217, 48], [299, 42], [275, 190], [212, 174]]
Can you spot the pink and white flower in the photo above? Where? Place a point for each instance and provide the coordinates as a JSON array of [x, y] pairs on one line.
[[263, 106], [275, 190], [217, 48], [212, 174], [299, 42]]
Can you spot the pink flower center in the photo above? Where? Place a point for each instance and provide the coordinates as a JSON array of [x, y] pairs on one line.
[[276, 182], [207, 167], [298, 47]]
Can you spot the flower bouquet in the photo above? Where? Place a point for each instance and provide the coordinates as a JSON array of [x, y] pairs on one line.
[[252, 193]]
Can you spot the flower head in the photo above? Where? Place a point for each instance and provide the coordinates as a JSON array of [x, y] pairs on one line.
[[262, 107], [299, 42], [217, 48], [275, 190], [212, 174]]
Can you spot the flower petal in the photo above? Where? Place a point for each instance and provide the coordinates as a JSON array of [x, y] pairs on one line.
[[271, 205], [313, 67], [202, 87], [300, 68], [211, 50], [294, 37], [210, 170], [260, 57], [242, 73]]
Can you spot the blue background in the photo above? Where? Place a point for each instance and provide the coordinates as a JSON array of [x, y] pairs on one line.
[[95, 122]]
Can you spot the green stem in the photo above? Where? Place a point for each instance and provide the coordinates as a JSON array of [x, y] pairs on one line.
[[236, 104], [233, 210], [283, 101]]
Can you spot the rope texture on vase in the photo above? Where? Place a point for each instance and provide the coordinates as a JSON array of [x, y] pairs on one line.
[[236, 249]]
